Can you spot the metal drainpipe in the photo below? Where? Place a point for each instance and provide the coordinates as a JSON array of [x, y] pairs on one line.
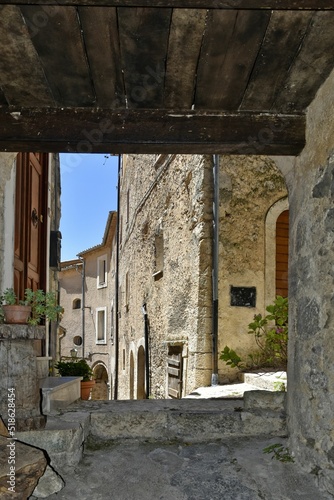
[[83, 276], [117, 280], [147, 355], [215, 254]]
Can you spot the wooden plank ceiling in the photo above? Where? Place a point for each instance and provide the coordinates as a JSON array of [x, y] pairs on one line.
[[151, 76]]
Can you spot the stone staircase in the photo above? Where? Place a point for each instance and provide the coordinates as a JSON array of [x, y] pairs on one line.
[[96, 424]]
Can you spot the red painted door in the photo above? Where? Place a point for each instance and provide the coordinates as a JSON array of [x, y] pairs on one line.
[[30, 222], [282, 253]]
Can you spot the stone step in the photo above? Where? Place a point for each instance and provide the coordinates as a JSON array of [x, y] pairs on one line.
[[261, 413], [62, 438], [269, 381]]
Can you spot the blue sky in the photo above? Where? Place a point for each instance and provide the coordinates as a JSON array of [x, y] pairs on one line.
[[88, 193]]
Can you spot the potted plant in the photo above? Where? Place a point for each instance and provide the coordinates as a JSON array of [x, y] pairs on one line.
[[37, 305], [78, 368], [12, 311]]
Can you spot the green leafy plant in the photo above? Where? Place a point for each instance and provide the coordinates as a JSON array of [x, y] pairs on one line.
[[279, 452], [231, 358], [9, 297], [271, 336], [75, 368], [43, 304]]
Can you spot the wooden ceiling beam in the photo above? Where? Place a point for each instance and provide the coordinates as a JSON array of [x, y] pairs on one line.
[[187, 4], [99, 130]]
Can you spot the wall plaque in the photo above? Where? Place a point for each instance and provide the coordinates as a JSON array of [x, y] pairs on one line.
[[243, 296]]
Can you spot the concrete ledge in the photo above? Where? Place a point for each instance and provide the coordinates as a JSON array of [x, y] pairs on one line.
[[59, 392]]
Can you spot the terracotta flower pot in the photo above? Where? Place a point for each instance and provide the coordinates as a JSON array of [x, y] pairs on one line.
[[16, 314], [86, 387]]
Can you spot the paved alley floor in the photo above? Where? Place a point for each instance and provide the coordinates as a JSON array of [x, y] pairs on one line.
[[236, 469]]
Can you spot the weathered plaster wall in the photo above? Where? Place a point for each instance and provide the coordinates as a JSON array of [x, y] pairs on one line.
[[7, 212], [249, 186], [311, 343], [167, 198], [71, 289]]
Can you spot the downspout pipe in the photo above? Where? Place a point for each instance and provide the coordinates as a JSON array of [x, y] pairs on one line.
[[83, 303], [215, 258], [147, 355], [117, 279]]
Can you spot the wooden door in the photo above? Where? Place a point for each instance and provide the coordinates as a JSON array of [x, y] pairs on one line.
[[282, 253], [30, 222], [174, 370]]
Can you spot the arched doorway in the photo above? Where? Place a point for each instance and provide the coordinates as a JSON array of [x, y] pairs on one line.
[[132, 376], [141, 373], [282, 253], [100, 390], [276, 249]]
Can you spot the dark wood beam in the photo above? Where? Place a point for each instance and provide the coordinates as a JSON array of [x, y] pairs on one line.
[[188, 4], [88, 130]]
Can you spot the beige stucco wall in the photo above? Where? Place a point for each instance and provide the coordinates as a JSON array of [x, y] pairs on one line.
[[252, 195], [97, 354], [167, 198]]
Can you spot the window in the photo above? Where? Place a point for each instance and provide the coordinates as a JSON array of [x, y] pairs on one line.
[[77, 340], [76, 304], [101, 325], [159, 256], [102, 271]]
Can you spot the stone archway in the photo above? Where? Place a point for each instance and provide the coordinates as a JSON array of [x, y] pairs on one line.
[[100, 390], [141, 373]]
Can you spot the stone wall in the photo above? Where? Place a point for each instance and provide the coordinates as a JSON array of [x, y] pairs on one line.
[[165, 262], [249, 186], [311, 346]]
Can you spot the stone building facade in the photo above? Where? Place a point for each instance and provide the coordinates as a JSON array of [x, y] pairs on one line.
[[166, 259], [87, 291]]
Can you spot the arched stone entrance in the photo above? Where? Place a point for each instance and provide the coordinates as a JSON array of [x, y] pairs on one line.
[[141, 373], [100, 390]]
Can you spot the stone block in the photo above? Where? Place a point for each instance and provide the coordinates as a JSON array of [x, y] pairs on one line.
[[62, 439], [263, 422], [48, 484], [267, 400], [29, 463], [132, 424]]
